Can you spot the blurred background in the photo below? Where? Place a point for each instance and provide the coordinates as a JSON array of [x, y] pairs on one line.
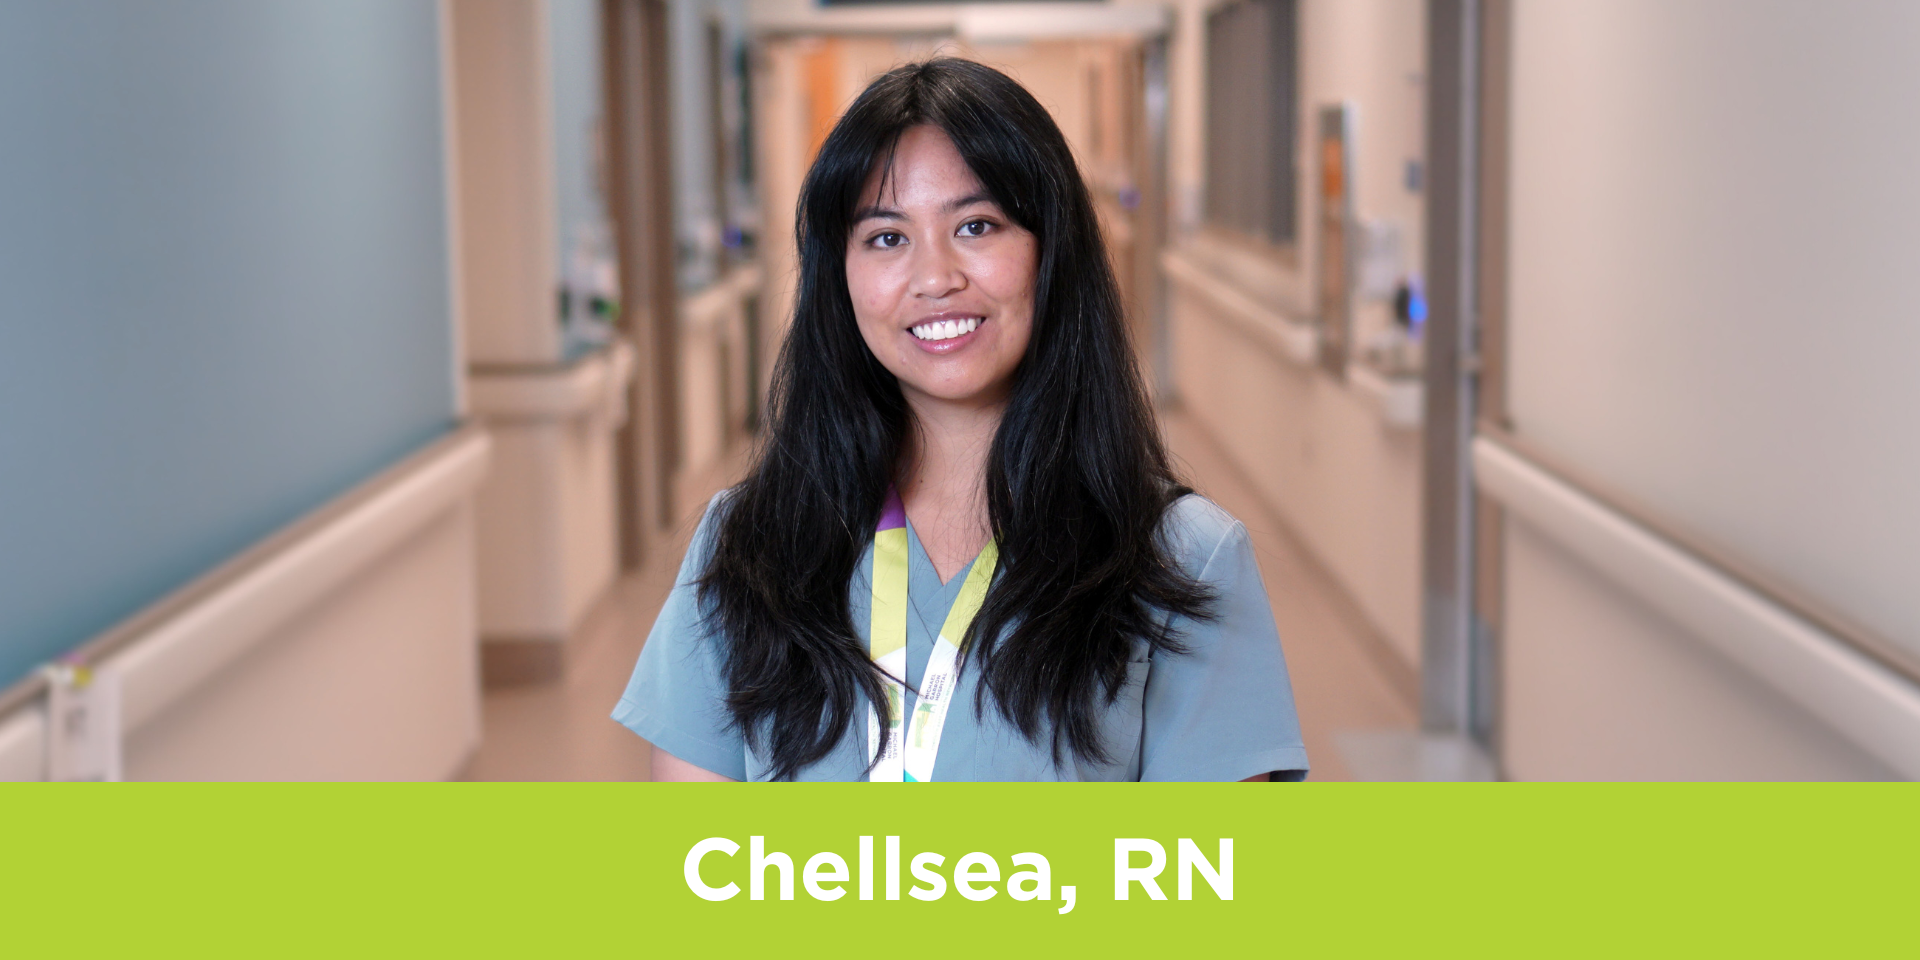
[[364, 364]]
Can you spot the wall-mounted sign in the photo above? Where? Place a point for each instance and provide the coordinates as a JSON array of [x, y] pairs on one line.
[[1335, 237]]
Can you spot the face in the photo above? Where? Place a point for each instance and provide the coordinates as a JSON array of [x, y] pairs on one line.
[[941, 278]]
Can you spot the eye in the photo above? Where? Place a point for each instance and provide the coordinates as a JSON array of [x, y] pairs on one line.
[[975, 228], [887, 240]]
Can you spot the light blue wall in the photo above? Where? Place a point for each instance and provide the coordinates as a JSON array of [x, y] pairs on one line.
[[574, 46], [585, 231], [223, 286]]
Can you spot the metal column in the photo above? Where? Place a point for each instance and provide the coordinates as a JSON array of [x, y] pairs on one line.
[[1447, 647]]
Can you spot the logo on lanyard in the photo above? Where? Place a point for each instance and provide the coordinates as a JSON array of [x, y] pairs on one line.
[[911, 751]]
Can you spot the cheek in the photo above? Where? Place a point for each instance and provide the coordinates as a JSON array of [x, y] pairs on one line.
[[867, 289], [1015, 265], [1012, 279]]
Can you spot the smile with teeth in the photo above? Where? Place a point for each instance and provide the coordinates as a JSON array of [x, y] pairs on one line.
[[946, 329]]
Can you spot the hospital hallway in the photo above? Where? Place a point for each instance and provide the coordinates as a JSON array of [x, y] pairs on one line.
[[366, 364]]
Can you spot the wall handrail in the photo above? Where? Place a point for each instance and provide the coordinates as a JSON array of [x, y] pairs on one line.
[[1796, 601], [1295, 341], [1860, 683], [315, 551], [595, 386], [710, 305]]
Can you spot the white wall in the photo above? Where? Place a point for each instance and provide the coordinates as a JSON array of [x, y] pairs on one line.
[[1713, 209]]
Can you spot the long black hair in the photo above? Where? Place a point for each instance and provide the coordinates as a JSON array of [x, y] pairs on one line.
[[1076, 481]]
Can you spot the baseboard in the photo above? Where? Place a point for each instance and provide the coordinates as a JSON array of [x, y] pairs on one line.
[[520, 663], [507, 662]]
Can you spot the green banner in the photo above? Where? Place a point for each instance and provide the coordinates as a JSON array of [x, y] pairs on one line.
[[668, 869]]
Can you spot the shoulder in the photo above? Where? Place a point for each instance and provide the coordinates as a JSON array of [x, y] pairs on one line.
[[705, 535], [1197, 531], [715, 514], [716, 508]]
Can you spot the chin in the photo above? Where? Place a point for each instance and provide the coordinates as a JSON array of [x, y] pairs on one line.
[[960, 394]]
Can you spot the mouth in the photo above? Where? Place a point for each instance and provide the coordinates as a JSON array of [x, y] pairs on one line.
[[934, 331], [945, 333]]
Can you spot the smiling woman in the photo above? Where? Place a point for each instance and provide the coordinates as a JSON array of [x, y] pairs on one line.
[[941, 282], [962, 499], [933, 257]]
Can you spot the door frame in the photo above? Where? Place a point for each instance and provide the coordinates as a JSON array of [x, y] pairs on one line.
[[640, 192]]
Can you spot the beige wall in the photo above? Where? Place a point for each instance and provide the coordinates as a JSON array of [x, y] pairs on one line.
[[1600, 685], [1319, 453], [1317, 447], [504, 129], [1708, 314], [378, 681]]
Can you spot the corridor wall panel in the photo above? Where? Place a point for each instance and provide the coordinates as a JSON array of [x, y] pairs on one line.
[[1715, 218], [574, 41], [224, 291]]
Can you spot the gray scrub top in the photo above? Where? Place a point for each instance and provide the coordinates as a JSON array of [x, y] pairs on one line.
[[1223, 710]]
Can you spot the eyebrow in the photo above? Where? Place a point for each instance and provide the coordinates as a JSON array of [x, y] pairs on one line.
[[966, 201], [876, 212]]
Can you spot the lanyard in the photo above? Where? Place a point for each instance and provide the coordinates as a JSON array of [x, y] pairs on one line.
[[910, 753]]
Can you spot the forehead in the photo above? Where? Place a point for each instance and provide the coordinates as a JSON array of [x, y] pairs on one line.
[[924, 169]]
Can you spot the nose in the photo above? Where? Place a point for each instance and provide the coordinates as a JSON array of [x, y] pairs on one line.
[[937, 272]]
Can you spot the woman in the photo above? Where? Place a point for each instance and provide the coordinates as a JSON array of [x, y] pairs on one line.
[[961, 553]]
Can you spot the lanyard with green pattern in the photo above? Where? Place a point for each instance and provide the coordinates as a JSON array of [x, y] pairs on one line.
[[910, 752]]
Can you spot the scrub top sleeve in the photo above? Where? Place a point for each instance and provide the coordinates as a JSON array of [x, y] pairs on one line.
[[1224, 709], [677, 697]]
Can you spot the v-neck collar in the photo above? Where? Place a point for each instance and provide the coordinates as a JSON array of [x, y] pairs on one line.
[[930, 598]]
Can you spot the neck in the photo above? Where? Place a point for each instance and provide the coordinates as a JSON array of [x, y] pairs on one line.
[[949, 446], [943, 478]]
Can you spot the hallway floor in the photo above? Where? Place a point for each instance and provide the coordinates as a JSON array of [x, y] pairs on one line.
[[561, 731]]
